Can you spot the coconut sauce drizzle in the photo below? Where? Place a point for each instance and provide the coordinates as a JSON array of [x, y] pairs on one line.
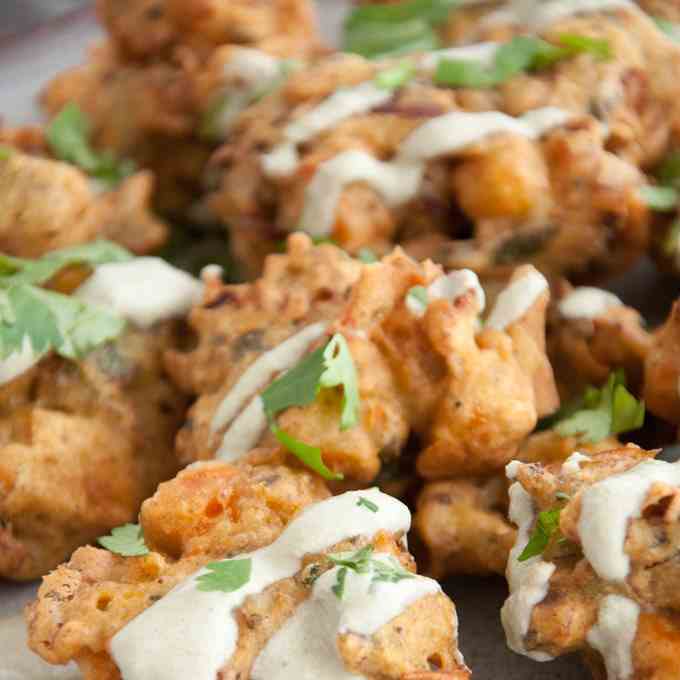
[[193, 633]]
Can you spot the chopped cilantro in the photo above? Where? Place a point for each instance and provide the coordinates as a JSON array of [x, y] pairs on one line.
[[69, 138], [369, 505], [225, 576], [367, 256], [5, 152], [417, 298], [603, 412], [339, 587], [547, 525], [397, 76], [671, 29], [327, 367], [127, 541], [517, 56], [660, 198], [49, 319]]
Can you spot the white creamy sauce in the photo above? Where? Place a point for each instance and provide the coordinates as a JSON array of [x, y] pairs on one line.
[[144, 290], [305, 648], [608, 506], [396, 182], [528, 581], [244, 432], [537, 14], [212, 271], [614, 633], [191, 633], [339, 106], [18, 362], [587, 302], [483, 53], [448, 287], [516, 300], [572, 465]]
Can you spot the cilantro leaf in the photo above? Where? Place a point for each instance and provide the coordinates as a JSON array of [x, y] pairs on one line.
[[369, 505], [225, 576], [68, 136], [395, 77], [668, 171], [419, 295], [659, 198], [127, 541], [358, 561], [547, 525], [671, 29], [517, 56], [341, 372], [5, 152], [297, 387], [339, 587], [53, 321], [14, 270], [367, 256], [311, 456], [608, 411], [432, 11]]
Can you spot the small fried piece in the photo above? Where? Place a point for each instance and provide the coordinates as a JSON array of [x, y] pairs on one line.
[[294, 608], [599, 580]]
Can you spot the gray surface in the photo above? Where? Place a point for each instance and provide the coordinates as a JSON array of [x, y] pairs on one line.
[[17, 16]]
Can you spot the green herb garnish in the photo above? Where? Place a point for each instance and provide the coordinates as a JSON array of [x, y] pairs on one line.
[[660, 198], [671, 29], [418, 296], [5, 152], [369, 505], [327, 367], [547, 525], [127, 541], [396, 76], [51, 320], [225, 576], [339, 587], [603, 412], [68, 136], [519, 55], [367, 256]]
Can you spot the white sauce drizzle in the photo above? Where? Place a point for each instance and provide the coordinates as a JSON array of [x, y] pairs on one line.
[[18, 362], [537, 14], [244, 432], [305, 647], [516, 300], [449, 287], [608, 506], [587, 302], [572, 465], [192, 634], [528, 581], [614, 633], [144, 290], [396, 182], [339, 106]]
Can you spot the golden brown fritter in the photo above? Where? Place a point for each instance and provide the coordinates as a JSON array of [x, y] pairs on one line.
[[83, 444], [566, 204], [590, 333], [470, 397], [661, 9], [607, 575], [662, 370], [214, 510]]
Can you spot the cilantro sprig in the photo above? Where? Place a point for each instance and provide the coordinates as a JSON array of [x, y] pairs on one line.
[[327, 367], [519, 55], [663, 197], [386, 568], [603, 412], [127, 540], [397, 76], [68, 136], [363, 502], [50, 320], [225, 576], [547, 526]]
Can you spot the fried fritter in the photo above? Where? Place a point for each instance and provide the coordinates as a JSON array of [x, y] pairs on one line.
[[90, 609], [470, 396], [602, 584], [46, 204], [83, 444]]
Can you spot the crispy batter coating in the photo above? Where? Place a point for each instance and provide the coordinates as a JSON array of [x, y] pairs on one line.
[[563, 620], [662, 9], [662, 370], [208, 512], [470, 397], [83, 444], [462, 523], [142, 29], [566, 204], [585, 350], [46, 204]]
